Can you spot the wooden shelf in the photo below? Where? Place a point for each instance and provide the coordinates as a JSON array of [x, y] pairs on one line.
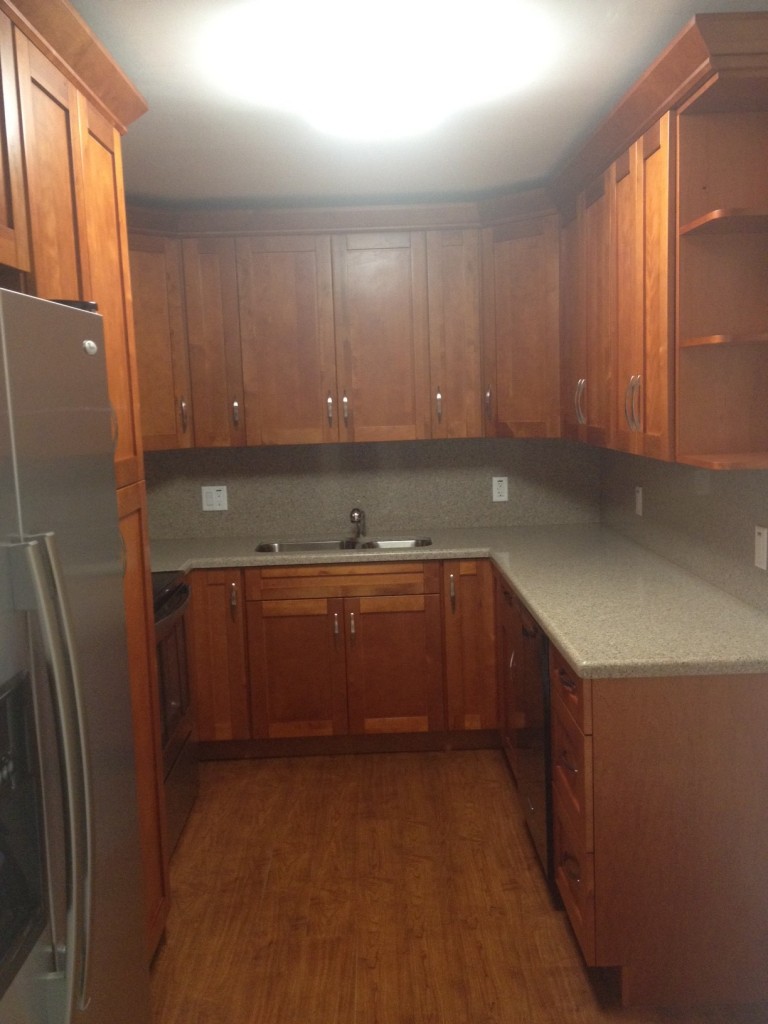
[[725, 339], [727, 221], [726, 460]]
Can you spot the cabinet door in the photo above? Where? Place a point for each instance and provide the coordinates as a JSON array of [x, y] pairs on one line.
[[219, 675], [573, 341], [288, 346], [297, 666], [394, 664], [453, 271], [213, 326], [521, 336], [598, 258], [14, 236], [146, 712], [380, 303], [161, 344], [470, 663], [642, 392], [106, 280], [51, 132]]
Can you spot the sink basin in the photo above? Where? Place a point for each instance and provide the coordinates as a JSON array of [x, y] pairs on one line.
[[277, 547], [396, 544]]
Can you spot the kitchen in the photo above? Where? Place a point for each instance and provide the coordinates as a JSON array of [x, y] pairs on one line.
[[701, 520]]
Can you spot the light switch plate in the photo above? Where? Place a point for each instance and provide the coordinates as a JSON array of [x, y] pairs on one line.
[[215, 499], [499, 486]]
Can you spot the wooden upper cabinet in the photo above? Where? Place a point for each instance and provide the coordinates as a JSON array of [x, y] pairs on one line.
[[213, 331], [453, 279], [642, 347], [14, 236], [380, 303], [573, 340], [288, 345], [521, 333], [161, 344], [51, 134], [598, 277], [106, 278]]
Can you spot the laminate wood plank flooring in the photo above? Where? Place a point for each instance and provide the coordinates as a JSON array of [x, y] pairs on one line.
[[373, 889]]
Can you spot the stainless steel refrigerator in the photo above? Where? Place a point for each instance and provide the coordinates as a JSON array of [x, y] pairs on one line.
[[71, 908]]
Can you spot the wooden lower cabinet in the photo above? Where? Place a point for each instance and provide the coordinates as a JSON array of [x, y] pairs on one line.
[[217, 649], [471, 685], [345, 649], [660, 840], [146, 712]]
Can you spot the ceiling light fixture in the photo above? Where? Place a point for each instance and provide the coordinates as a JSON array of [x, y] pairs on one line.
[[360, 70]]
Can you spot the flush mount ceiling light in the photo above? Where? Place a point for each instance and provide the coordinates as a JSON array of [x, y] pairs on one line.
[[376, 71]]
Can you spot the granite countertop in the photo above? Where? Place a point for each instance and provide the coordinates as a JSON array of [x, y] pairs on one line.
[[613, 608]]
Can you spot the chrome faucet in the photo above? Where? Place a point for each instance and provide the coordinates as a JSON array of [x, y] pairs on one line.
[[357, 518]]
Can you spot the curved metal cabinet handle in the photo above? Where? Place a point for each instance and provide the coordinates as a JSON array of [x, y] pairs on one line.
[[233, 599], [183, 414], [636, 402], [44, 571], [336, 625], [345, 408], [452, 591], [439, 404], [352, 627], [566, 682], [236, 413], [329, 408], [562, 760], [582, 392], [488, 397], [627, 403]]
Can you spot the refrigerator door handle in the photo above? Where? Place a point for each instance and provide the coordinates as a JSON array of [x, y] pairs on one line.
[[45, 572]]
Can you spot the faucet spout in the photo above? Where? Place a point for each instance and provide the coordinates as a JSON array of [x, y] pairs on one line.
[[357, 518]]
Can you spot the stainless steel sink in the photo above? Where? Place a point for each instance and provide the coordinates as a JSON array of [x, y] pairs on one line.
[[396, 544], [277, 547]]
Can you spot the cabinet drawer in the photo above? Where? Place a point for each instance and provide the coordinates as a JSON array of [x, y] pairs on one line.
[[570, 691], [280, 583], [575, 880], [572, 775]]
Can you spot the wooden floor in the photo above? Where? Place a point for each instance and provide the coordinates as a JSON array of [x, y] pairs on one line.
[[372, 889]]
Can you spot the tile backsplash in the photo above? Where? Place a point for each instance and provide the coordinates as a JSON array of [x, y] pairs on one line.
[[279, 492]]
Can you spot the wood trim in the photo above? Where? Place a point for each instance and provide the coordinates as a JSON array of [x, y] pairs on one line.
[[56, 28], [226, 750]]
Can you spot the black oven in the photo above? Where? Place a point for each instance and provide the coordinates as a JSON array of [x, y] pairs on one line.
[[171, 598]]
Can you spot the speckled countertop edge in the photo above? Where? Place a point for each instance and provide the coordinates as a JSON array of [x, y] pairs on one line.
[[613, 608]]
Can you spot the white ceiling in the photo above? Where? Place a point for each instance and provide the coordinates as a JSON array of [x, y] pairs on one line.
[[194, 146]]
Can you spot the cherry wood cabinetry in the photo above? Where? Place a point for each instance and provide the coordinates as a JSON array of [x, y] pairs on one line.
[[521, 330], [161, 344], [146, 711], [453, 286], [573, 328], [382, 352], [287, 338], [593, 398], [218, 654], [658, 858], [14, 237], [374, 634], [471, 686], [213, 333]]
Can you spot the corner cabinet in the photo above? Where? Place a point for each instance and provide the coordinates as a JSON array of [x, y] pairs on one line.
[[521, 378]]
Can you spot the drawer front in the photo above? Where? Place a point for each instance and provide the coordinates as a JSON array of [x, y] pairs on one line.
[[575, 880], [572, 774], [280, 583], [570, 691]]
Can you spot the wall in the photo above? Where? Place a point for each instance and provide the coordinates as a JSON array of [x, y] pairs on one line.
[[409, 487], [702, 520]]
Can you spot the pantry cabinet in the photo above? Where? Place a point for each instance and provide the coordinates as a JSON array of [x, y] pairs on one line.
[[213, 334], [218, 655], [521, 329], [381, 324], [161, 343], [375, 636], [14, 234]]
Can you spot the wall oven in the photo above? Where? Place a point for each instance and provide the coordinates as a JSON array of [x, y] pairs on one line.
[[171, 595]]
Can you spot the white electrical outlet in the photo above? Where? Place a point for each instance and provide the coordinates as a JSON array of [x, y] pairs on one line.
[[499, 488], [215, 499], [638, 501], [761, 547]]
